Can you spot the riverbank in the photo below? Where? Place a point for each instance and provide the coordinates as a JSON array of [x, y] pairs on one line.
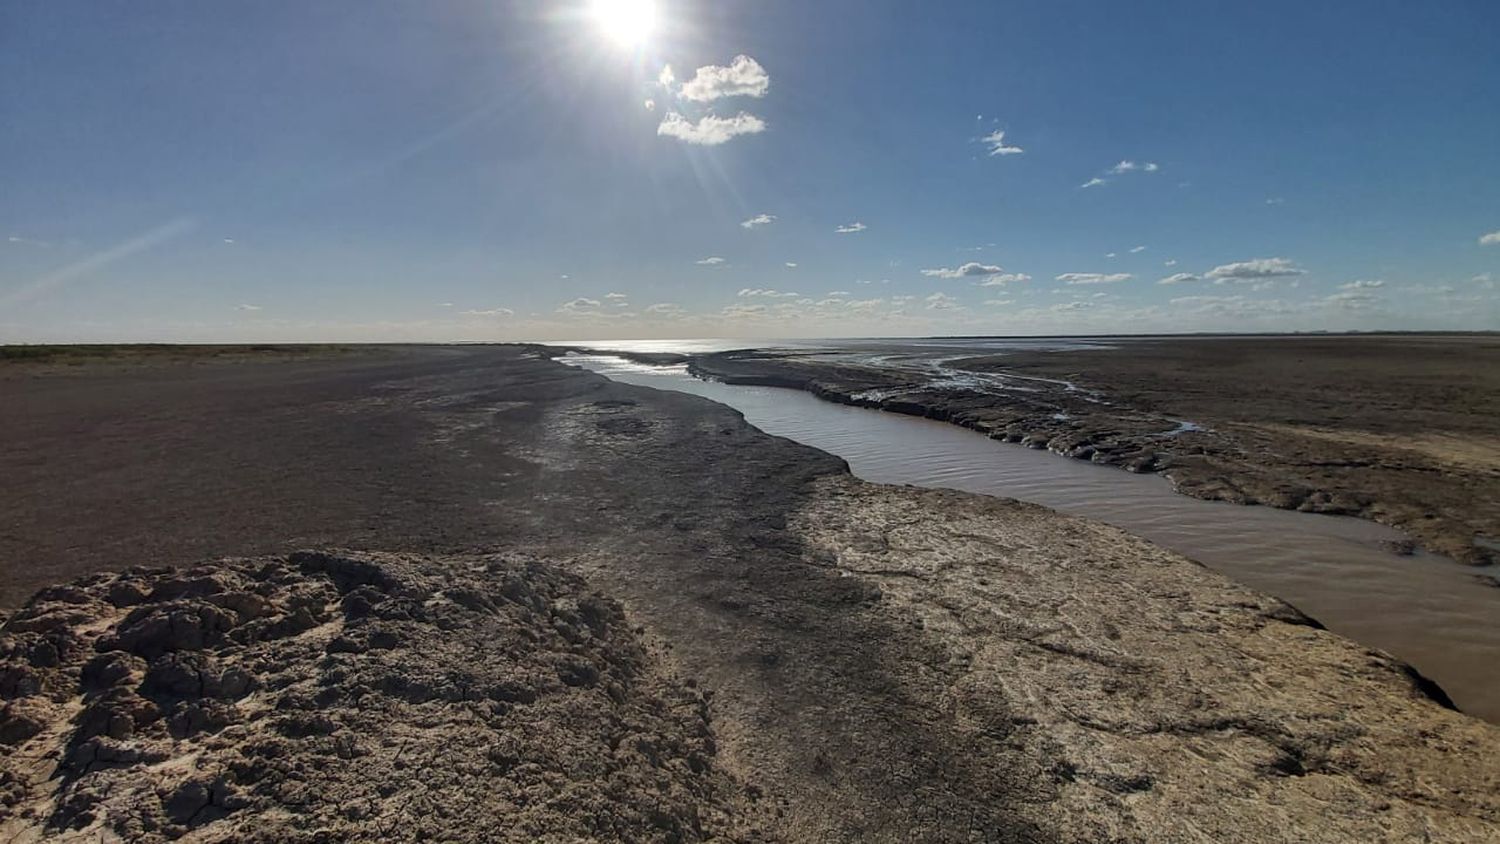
[[820, 658], [1398, 429]]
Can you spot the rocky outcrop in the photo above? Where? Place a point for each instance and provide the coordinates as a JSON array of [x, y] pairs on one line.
[[328, 697]]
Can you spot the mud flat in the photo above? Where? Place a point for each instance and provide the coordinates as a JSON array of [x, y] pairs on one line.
[[1400, 429], [631, 615]]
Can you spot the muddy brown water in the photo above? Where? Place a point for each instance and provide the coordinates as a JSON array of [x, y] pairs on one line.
[[1436, 614]]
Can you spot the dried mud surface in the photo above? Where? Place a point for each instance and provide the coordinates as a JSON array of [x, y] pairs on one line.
[[1399, 429], [628, 615]]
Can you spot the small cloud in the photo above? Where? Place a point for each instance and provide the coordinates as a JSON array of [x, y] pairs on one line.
[[969, 270], [617, 296], [762, 291], [713, 261], [1003, 279], [1170, 262], [578, 306], [744, 77], [996, 142], [759, 220], [998, 302], [1254, 270], [709, 130], [26, 241], [650, 105], [838, 293], [851, 228], [1178, 278], [665, 309], [1131, 166], [247, 307], [941, 302], [229, 240], [1094, 182], [1369, 284], [1275, 200], [666, 78], [564, 275], [1491, 239], [1109, 254], [1136, 250], [791, 265], [494, 312], [1093, 278], [445, 304]]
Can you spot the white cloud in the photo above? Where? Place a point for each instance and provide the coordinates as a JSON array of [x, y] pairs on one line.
[[998, 302], [1362, 285], [744, 77], [578, 306], [996, 142], [1275, 200], [666, 78], [1178, 278], [26, 241], [617, 296], [1003, 279], [838, 293], [650, 104], [1131, 166], [445, 304], [969, 270], [1257, 269], [710, 130], [941, 302], [492, 312], [792, 265], [851, 228], [712, 261], [1135, 250], [1491, 239], [1094, 278], [247, 307], [1170, 262], [762, 291], [759, 220], [1109, 254], [1094, 182], [665, 309]]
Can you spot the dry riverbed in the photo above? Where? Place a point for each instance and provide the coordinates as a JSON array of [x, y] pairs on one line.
[[566, 608]]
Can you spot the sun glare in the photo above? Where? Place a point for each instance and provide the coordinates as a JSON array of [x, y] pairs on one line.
[[627, 22]]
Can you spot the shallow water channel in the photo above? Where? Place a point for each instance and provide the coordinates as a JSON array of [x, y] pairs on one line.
[[1436, 614]]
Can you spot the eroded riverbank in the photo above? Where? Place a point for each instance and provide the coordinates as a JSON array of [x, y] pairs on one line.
[[1397, 429]]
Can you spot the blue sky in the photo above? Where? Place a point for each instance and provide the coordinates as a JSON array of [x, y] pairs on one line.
[[380, 170]]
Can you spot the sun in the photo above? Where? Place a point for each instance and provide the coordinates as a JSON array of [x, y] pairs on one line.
[[626, 22]]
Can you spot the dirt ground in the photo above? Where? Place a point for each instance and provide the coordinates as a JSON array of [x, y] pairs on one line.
[[560, 597]]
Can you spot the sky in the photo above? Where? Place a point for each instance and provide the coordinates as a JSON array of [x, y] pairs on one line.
[[346, 170]]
